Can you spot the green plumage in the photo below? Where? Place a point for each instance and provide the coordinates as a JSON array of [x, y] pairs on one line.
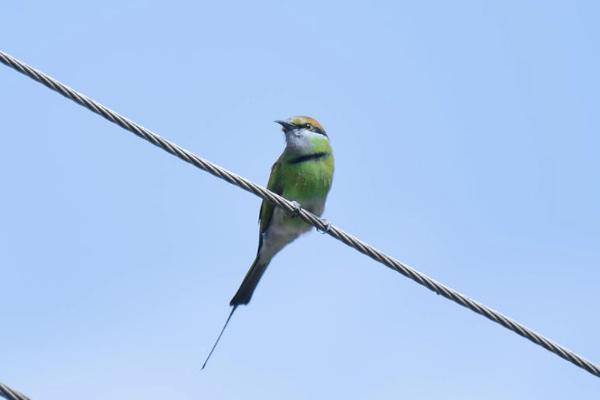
[[300, 182]]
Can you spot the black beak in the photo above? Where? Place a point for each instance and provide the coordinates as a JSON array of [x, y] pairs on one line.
[[286, 126]]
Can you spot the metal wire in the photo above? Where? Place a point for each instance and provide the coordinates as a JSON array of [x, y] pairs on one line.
[[11, 394], [310, 218]]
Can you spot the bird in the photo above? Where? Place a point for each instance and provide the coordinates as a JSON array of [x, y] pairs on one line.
[[303, 174]]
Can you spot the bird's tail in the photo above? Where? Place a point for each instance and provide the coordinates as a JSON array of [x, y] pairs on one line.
[[219, 337], [244, 293]]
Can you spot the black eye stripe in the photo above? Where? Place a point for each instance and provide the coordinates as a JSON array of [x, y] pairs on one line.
[[311, 128], [320, 131]]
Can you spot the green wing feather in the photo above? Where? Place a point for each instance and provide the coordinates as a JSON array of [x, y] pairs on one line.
[[259, 266], [275, 185]]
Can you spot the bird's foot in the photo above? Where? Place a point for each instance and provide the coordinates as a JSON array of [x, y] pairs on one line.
[[296, 208], [327, 226]]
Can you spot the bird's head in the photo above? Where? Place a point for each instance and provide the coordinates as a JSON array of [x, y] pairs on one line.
[[303, 133]]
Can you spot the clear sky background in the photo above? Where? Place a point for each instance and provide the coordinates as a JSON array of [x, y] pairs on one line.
[[466, 137]]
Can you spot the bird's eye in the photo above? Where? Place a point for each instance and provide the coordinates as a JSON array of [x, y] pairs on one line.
[[307, 126]]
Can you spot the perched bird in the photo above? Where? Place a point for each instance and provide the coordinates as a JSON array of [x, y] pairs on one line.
[[303, 174]]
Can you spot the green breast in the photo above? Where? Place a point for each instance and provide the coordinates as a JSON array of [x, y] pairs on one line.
[[308, 179], [305, 178]]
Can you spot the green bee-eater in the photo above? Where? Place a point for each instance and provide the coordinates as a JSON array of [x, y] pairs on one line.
[[303, 174]]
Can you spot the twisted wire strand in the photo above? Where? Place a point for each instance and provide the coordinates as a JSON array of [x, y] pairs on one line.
[[310, 218], [11, 394]]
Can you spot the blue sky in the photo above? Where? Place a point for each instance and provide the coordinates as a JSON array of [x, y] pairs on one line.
[[466, 141]]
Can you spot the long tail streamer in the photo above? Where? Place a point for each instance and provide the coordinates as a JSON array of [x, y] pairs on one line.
[[219, 337]]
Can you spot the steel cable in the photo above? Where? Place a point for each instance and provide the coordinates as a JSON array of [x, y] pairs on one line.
[[11, 394], [291, 208]]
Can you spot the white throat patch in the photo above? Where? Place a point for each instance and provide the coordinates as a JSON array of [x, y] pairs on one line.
[[300, 140]]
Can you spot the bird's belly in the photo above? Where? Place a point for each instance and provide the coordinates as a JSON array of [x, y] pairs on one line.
[[284, 228]]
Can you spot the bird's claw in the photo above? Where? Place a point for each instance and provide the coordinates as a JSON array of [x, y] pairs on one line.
[[327, 227], [296, 207]]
